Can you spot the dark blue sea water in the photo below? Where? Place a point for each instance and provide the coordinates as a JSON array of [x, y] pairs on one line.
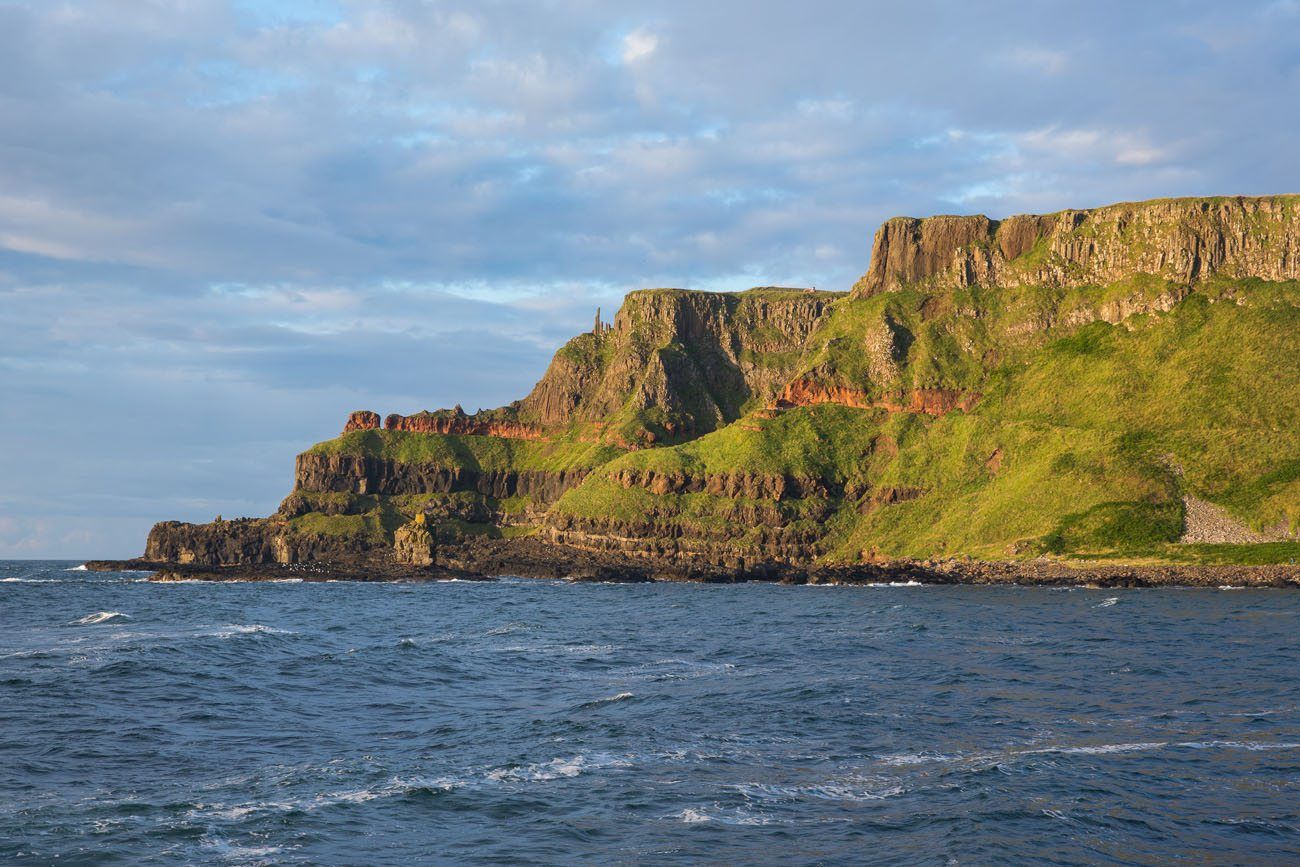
[[526, 722]]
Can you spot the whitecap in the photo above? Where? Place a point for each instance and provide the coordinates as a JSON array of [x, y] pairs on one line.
[[101, 617], [1239, 745], [27, 580], [859, 790], [555, 769], [599, 702], [81, 568], [692, 816], [250, 629], [1099, 749], [916, 759], [230, 851], [1106, 603]]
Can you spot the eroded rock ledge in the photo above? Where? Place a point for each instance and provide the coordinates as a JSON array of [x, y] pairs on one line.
[[1182, 240], [532, 558], [360, 474]]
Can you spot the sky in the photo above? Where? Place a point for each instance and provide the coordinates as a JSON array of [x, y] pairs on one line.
[[225, 224]]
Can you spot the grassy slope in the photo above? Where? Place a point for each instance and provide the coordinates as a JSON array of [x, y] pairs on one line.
[[1090, 424], [469, 452]]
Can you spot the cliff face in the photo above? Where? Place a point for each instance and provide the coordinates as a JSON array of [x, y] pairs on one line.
[[492, 423], [1037, 386], [677, 364], [363, 474], [1181, 240]]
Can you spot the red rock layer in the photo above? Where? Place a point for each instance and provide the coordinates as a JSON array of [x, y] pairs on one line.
[[461, 425], [362, 419], [931, 401]]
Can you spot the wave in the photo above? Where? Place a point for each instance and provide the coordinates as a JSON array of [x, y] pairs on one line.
[[555, 769], [25, 580], [1099, 749], [601, 702], [983, 759], [102, 617], [734, 816], [1253, 746], [250, 629], [1106, 603], [860, 790], [81, 568]]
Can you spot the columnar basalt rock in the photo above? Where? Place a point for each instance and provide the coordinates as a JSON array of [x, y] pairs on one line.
[[1182, 240], [359, 474], [695, 357]]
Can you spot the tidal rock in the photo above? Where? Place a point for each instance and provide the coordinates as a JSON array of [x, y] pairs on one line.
[[413, 544]]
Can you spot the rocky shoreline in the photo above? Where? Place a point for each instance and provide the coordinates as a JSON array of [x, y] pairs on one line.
[[486, 559]]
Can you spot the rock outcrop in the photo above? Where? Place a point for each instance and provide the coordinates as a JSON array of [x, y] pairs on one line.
[[457, 422], [690, 361], [1181, 240], [413, 544], [362, 419], [361, 474], [930, 401]]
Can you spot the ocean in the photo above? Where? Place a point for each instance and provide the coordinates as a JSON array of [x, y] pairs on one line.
[[544, 722]]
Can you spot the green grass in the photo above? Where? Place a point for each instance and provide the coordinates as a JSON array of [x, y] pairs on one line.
[[1082, 445], [1100, 428], [468, 452]]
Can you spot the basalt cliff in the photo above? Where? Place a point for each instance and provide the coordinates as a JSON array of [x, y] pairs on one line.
[[1110, 386]]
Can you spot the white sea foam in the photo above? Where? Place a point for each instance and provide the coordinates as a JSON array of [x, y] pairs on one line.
[[27, 580], [1239, 745], [1099, 749], [228, 851], [102, 617], [555, 769], [249, 629], [611, 699], [683, 669], [917, 759], [854, 789], [1106, 603], [81, 568], [721, 815]]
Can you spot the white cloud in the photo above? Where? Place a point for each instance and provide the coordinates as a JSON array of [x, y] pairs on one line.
[[638, 45]]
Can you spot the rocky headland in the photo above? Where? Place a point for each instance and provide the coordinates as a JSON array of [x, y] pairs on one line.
[[1106, 396]]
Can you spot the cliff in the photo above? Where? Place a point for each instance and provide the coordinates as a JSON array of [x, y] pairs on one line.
[[676, 364], [1181, 240], [1105, 384]]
